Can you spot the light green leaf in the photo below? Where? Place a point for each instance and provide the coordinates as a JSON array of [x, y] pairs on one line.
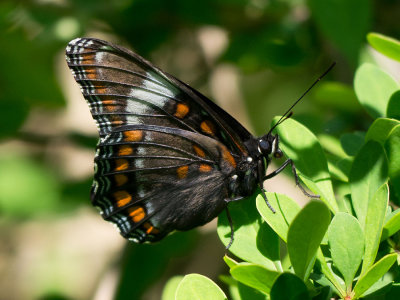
[[230, 261], [392, 225], [255, 276], [305, 235], [247, 224], [373, 88], [346, 241], [170, 288], [385, 45], [198, 287], [368, 173], [373, 274], [375, 218], [300, 144], [289, 286], [286, 209], [380, 130]]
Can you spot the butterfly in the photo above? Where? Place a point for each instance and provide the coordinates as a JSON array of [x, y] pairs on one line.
[[168, 158]]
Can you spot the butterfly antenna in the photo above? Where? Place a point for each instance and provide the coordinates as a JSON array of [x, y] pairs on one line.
[[289, 112]]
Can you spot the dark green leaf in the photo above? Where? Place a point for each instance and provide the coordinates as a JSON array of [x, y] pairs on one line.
[[392, 147], [289, 287], [392, 225], [352, 142], [343, 22], [393, 108]]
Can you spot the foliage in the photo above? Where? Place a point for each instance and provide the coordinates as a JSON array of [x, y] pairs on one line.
[[331, 247]]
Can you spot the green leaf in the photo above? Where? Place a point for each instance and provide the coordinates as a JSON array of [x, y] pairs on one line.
[[247, 224], [305, 235], [300, 144], [385, 45], [332, 145], [373, 274], [368, 173], [339, 167], [170, 288], [198, 287], [375, 218], [246, 292], [393, 108], [346, 241], [289, 287], [392, 147], [380, 130], [352, 142], [373, 88], [286, 209], [230, 261], [336, 95], [255, 276], [392, 225], [343, 22], [330, 278]]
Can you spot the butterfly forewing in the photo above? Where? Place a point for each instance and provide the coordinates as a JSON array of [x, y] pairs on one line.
[[123, 88]]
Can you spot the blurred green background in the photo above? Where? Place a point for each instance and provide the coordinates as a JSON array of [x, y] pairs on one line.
[[253, 57]]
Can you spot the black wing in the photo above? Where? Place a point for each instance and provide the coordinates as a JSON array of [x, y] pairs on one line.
[[165, 152]]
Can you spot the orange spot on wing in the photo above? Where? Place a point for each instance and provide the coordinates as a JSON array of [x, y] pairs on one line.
[[133, 135], [150, 229], [208, 127], [227, 156], [125, 150], [122, 198], [109, 105], [205, 168], [181, 110], [136, 213], [87, 59], [90, 73], [199, 151], [120, 179], [121, 164], [182, 171]]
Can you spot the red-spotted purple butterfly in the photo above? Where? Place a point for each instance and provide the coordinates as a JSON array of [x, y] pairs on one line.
[[168, 157]]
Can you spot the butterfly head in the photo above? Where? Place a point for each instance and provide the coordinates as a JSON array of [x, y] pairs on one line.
[[269, 145]]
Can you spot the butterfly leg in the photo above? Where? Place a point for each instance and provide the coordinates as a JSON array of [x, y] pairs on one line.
[[231, 225], [261, 183], [296, 177]]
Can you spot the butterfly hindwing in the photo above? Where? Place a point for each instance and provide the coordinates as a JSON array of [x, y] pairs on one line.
[[150, 180]]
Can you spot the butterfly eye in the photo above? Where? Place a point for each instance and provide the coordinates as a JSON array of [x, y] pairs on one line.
[[264, 147]]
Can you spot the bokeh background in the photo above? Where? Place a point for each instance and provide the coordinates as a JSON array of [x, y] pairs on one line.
[[253, 57]]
